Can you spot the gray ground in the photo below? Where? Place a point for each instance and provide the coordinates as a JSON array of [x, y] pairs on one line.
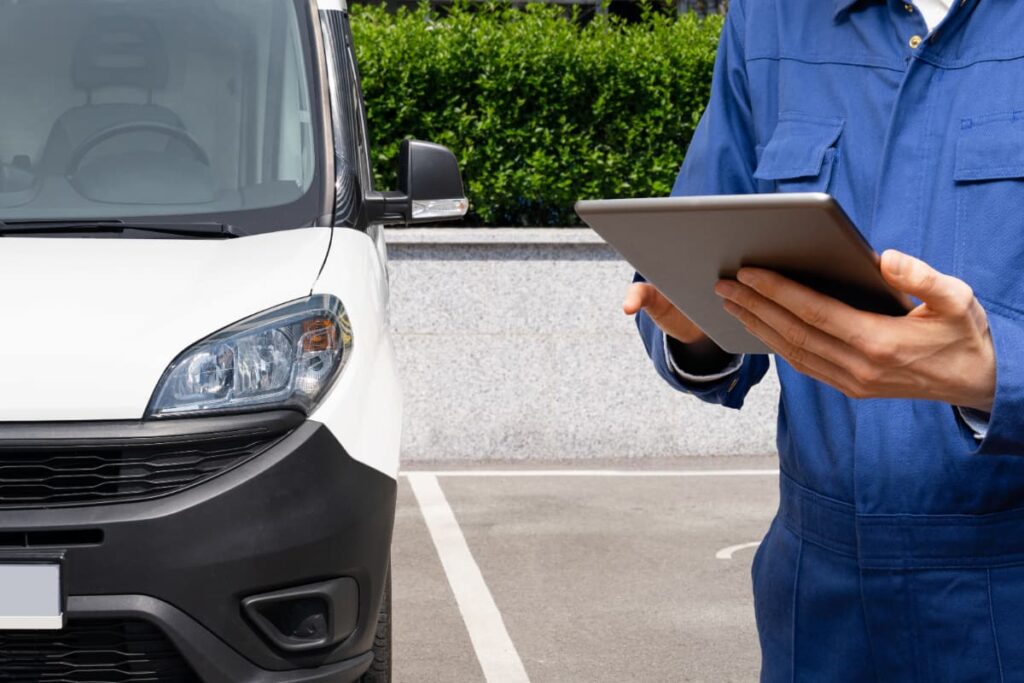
[[597, 578]]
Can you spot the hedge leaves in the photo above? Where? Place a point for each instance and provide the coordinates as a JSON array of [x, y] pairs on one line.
[[540, 110]]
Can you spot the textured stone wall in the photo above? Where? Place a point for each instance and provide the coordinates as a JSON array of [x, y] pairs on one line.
[[512, 344]]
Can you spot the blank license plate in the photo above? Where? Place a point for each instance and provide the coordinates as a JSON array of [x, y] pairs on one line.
[[30, 597]]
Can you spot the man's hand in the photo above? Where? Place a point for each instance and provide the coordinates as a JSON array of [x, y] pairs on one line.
[[670, 319], [942, 350]]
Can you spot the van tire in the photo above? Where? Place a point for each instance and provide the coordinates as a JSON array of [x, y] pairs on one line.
[[380, 669]]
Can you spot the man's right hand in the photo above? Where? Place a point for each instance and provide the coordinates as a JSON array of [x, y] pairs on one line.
[[671, 321]]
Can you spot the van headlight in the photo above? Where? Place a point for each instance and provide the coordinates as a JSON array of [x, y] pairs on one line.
[[286, 357]]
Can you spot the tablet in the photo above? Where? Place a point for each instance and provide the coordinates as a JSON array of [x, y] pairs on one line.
[[683, 245]]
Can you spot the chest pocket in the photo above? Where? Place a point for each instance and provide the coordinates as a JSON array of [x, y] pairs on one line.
[[801, 155], [989, 175]]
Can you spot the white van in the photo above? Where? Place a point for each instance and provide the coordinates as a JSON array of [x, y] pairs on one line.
[[199, 408]]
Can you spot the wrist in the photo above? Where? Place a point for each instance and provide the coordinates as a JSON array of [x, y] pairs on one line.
[[980, 391], [689, 337], [982, 402]]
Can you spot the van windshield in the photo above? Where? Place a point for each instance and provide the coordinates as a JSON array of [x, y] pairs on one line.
[[158, 109]]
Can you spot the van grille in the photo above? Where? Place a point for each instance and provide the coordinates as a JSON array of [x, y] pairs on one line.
[[104, 651], [94, 471]]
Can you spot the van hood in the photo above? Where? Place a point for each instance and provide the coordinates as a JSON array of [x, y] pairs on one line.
[[91, 324]]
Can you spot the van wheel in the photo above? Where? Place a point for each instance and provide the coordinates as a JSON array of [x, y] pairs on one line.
[[380, 670]]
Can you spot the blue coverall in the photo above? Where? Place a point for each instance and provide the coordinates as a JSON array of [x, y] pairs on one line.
[[898, 550]]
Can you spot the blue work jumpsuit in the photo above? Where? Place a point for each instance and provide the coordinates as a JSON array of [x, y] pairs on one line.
[[897, 553]]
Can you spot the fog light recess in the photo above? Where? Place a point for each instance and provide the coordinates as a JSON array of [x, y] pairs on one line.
[[308, 617]]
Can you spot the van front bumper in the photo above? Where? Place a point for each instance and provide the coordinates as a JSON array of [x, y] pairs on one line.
[[300, 512]]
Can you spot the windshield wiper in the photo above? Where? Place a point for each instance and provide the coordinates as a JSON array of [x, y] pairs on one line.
[[198, 229]]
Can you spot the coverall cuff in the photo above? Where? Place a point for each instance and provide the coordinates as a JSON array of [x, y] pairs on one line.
[[1005, 433], [976, 420], [655, 339], [735, 364]]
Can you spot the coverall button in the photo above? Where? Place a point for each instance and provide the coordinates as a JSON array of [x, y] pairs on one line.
[[914, 42]]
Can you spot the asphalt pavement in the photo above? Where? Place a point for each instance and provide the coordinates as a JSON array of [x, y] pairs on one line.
[[606, 571]]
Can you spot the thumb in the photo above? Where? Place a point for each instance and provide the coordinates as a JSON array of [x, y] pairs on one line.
[[943, 293], [638, 295]]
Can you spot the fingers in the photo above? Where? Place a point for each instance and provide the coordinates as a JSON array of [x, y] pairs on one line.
[[641, 295], [668, 318], [817, 310], [942, 293], [793, 338], [803, 361]]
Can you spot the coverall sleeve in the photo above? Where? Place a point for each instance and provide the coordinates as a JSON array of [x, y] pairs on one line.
[[1005, 431], [720, 160]]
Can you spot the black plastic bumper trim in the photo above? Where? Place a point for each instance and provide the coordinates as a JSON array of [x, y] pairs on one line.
[[127, 460], [301, 512], [211, 658]]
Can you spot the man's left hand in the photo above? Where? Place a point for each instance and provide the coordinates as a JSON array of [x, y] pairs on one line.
[[942, 350]]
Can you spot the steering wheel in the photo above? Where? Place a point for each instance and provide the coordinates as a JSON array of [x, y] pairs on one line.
[[102, 136]]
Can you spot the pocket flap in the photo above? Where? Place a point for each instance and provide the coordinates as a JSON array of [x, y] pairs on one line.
[[797, 147], [994, 151]]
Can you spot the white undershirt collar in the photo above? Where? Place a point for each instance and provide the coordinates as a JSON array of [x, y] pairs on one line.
[[933, 11]]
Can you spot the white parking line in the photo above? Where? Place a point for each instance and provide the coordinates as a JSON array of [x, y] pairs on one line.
[[595, 473], [727, 552], [493, 646]]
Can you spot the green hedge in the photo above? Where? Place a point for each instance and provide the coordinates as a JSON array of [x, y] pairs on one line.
[[540, 109]]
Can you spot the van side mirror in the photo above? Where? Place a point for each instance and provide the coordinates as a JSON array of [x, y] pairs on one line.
[[429, 176], [429, 187]]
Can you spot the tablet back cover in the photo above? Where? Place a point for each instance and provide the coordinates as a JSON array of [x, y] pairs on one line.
[[683, 245]]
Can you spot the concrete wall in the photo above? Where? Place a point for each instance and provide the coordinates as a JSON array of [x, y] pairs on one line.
[[512, 345]]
